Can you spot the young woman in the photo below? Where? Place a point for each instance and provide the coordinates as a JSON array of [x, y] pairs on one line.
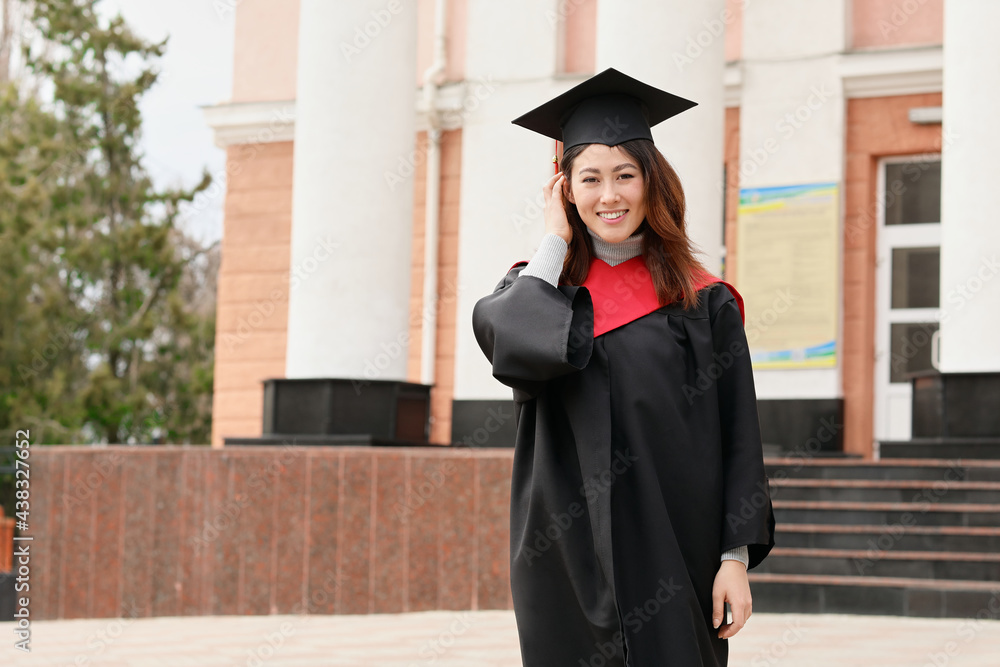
[[639, 497]]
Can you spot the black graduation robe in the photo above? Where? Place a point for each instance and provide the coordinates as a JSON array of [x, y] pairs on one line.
[[637, 462]]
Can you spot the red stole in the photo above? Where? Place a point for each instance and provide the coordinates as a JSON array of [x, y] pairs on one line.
[[625, 292]]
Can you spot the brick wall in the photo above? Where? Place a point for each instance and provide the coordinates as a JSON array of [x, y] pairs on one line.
[[876, 127], [252, 309], [444, 308]]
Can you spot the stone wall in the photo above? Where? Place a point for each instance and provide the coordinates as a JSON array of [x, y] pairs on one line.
[[178, 531]]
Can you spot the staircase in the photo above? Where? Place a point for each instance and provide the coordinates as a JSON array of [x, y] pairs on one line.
[[900, 536], [941, 448]]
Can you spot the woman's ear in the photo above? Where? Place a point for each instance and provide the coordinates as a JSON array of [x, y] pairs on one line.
[[569, 193]]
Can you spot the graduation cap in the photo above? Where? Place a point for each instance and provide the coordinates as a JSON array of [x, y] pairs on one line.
[[608, 108]]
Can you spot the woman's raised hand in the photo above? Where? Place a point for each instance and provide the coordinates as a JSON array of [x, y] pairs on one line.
[[555, 214]]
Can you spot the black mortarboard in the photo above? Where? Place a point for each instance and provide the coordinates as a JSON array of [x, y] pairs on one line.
[[608, 108]]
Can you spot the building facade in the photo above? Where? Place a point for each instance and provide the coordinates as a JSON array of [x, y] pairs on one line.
[[834, 169]]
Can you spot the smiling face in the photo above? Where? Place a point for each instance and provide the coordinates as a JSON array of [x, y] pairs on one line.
[[608, 189]]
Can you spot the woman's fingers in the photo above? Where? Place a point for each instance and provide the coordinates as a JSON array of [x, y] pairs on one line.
[[555, 213], [718, 607], [741, 614], [732, 586], [547, 188], [739, 620], [553, 185]]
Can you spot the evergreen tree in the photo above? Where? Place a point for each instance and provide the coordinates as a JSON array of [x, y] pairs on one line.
[[105, 271], [41, 360]]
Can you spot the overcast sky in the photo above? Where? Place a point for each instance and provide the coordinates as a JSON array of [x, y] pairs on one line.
[[197, 71]]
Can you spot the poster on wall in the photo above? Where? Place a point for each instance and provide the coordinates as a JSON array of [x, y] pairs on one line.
[[788, 273]]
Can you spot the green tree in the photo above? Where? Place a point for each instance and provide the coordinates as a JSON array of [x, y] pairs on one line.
[[41, 360], [106, 270]]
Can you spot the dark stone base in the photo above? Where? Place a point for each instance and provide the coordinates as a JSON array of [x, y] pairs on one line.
[[488, 423], [387, 409], [956, 405], [356, 440], [7, 596], [812, 427]]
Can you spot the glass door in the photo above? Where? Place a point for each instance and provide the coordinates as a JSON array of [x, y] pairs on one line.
[[908, 279]]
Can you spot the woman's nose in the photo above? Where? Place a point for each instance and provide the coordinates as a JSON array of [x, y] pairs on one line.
[[609, 193]]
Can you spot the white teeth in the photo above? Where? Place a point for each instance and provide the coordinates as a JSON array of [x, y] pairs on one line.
[[612, 215]]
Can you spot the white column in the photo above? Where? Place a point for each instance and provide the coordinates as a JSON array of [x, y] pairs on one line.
[[970, 234], [349, 295], [503, 165], [678, 46], [792, 128]]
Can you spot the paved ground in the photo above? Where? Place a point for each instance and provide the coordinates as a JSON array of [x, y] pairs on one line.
[[478, 639]]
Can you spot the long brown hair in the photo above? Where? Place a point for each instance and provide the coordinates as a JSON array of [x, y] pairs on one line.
[[668, 252]]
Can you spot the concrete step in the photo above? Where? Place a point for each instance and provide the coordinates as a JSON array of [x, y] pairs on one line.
[[883, 596], [909, 538], [887, 562], [941, 448], [905, 536], [882, 513], [901, 469], [886, 490]]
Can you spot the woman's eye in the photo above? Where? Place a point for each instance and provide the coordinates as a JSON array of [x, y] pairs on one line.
[[590, 179], [627, 176]]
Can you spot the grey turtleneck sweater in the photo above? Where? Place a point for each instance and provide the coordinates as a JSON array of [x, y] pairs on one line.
[[547, 264]]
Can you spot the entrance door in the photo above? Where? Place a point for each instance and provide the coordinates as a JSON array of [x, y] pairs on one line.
[[908, 279]]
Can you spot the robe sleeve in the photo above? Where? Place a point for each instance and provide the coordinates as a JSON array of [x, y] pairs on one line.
[[748, 517], [532, 331]]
